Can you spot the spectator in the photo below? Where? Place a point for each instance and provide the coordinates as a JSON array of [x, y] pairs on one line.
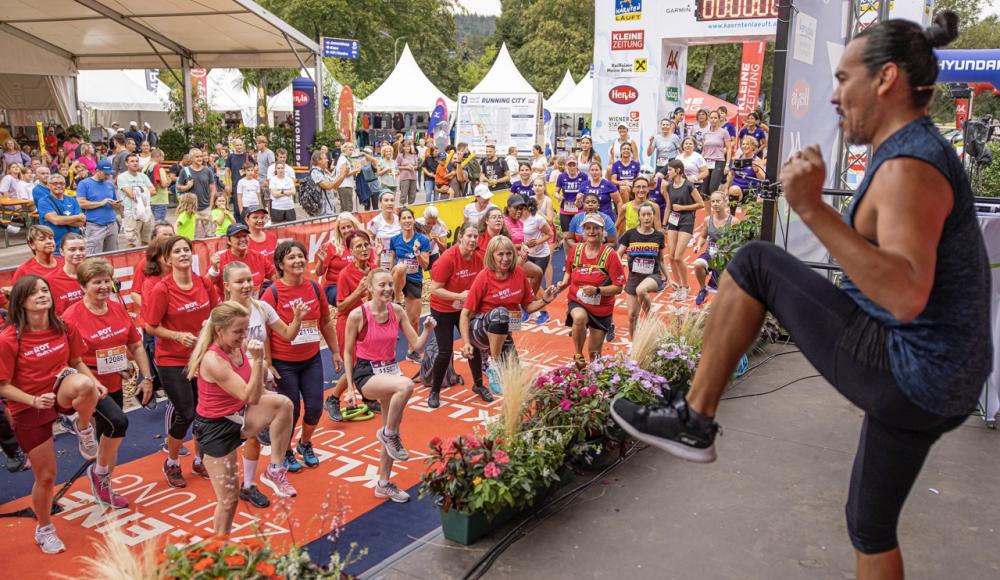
[[145, 154], [59, 212], [497, 172], [199, 180], [12, 154], [187, 215], [281, 155], [161, 179], [135, 135], [222, 214], [248, 191], [135, 189], [265, 159], [388, 170], [118, 153], [8, 184], [347, 168], [150, 135], [99, 201], [512, 163], [538, 162], [428, 168], [408, 162], [86, 157], [282, 188], [236, 165], [51, 141], [25, 187]]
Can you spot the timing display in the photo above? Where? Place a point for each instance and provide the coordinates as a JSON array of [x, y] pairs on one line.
[[735, 9]]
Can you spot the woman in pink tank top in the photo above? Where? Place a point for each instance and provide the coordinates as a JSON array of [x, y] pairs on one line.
[[233, 406], [371, 369]]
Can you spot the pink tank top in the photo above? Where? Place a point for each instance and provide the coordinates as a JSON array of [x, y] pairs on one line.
[[379, 341], [213, 401]]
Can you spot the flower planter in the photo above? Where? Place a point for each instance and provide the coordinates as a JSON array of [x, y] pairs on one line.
[[593, 454]]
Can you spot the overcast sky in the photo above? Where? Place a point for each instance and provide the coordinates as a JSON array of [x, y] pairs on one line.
[[492, 7]]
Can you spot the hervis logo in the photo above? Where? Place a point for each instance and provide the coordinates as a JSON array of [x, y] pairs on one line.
[[623, 94], [628, 10], [300, 98]]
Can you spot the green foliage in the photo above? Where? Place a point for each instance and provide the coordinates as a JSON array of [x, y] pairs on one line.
[[77, 130], [988, 182], [471, 71], [325, 137], [471, 26], [274, 80], [559, 36], [251, 559], [725, 77], [570, 398], [621, 376], [675, 360], [174, 144], [734, 237]]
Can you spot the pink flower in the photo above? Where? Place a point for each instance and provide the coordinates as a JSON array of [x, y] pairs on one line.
[[435, 442], [566, 404], [491, 470], [473, 442], [476, 458], [500, 457]]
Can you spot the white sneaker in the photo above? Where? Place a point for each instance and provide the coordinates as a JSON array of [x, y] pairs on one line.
[[393, 445], [48, 541], [392, 492], [87, 440]]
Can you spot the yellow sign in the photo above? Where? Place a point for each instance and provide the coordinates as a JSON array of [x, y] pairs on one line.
[[41, 136], [640, 65]]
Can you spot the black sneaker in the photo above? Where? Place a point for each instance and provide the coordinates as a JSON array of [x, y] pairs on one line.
[[667, 427], [610, 336], [483, 393], [373, 406], [332, 406], [254, 496], [434, 401], [17, 462], [264, 437]]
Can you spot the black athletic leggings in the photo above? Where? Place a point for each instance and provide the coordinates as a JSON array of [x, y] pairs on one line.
[[182, 393], [444, 333], [848, 348], [109, 416]]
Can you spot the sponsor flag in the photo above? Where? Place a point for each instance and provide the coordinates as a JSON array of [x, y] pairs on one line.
[[439, 113], [751, 74], [345, 106]]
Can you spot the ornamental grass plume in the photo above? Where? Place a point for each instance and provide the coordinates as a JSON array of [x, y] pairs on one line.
[[687, 326], [648, 331], [516, 393], [114, 560]]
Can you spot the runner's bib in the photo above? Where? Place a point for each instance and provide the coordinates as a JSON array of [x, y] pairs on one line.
[[570, 206], [412, 267], [239, 417], [111, 360], [592, 300], [385, 259], [515, 320], [713, 249], [308, 333], [674, 218], [385, 367], [643, 265]]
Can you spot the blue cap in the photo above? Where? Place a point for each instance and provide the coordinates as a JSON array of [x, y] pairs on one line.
[[104, 165]]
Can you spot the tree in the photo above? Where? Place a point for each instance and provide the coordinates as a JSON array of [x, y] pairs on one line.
[[274, 80]]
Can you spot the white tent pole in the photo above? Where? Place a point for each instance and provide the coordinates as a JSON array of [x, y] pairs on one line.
[[186, 86], [319, 90]]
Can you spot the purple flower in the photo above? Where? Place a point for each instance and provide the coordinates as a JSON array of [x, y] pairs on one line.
[[566, 404]]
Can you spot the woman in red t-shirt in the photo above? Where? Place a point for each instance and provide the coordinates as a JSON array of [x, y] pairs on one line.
[[297, 365], [233, 405], [492, 309], [451, 278], [351, 290], [594, 276], [42, 374], [174, 312], [41, 242], [334, 255], [110, 339], [495, 224], [66, 290], [262, 242]]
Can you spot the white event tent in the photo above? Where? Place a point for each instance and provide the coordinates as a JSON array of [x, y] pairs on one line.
[[577, 101], [564, 88], [406, 90], [122, 96], [503, 76]]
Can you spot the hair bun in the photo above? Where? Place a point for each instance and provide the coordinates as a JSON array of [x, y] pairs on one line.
[[943, 30]]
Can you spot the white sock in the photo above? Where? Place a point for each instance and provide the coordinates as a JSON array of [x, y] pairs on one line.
[[101, 469], [387, 432], [173, 462], [249, 472], [197, 459], [272, 467]]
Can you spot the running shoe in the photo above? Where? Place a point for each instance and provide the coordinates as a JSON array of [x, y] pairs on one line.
[[609, 337], [305, 449], [700, 298], [264, 437], [184, 452], [742, 366], [198, 468], [66, 422], [483, 393], [174, 476], [393, 445], [434, 400], [389, 490], [254, 496], [291, 462], [100, 486], [542, 318], [579, 361], [373, 405], [277, 479], [332, 406], [87, 440], [18, 462], [668, 427], [49, 542], [493, 379], [526, 316]]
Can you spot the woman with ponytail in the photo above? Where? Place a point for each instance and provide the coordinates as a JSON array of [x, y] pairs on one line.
[[233, 406]]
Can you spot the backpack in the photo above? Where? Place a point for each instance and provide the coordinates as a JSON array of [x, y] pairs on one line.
[[311, 196], [602, 262], [274, 291], [425, 373]]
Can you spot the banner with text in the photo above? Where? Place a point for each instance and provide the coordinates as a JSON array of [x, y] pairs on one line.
[[503, 120], [751, 73]]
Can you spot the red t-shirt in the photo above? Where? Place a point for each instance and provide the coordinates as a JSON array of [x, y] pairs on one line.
[[32, 363], [457, 275], [588, 274], [265, 248], [261, 268], [66, 290], [105, 336], [306, 344], [482, 242], [335, 263], [348, 281], [33, 267], [138, 276], [487, 292], [169, 306]]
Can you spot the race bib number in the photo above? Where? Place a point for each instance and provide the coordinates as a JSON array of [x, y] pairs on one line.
[[585, 299], [385, 367], [412, 267], [515, 320], [643, 266], [661, 160], [713, 249], [239, 417], [111, 360], [308, 332], [713, 164], [674, 218], [569, 206], [385, 260]]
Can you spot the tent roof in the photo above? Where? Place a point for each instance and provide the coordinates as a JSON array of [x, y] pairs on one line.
[[503, 76], [564, 88], [407, 90], [577, 101], [694, 100], [120, 90], [119, 34]]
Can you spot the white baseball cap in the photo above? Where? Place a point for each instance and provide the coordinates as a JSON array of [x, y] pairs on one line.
[[483, 191]]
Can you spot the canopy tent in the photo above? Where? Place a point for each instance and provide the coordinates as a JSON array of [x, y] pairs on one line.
[[56, 38], [122, 96], [503, 76], [577, 101], [565, 87], [695, 100], [406, 90]]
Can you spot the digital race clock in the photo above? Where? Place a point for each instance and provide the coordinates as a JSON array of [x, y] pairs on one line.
[[710, 10]]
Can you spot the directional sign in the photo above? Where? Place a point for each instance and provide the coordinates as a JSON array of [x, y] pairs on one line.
[[326, 101], [340, 47]]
